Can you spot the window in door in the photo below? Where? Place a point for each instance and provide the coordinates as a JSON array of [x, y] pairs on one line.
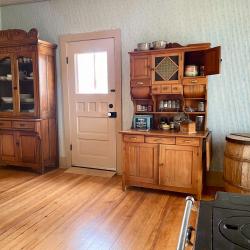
[[6, 93], [91, 73], [26, 84]]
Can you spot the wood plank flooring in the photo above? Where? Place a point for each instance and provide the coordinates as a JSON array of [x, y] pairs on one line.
[[61, 210]]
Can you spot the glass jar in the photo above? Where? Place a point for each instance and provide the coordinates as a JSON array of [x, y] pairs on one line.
[[178, 105], [201, 106], [161, 105], [169, 104], [173, 104], [165, 105]]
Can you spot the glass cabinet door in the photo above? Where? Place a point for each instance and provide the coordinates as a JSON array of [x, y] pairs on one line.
[[6, 85], [26, 84], [166, 68]]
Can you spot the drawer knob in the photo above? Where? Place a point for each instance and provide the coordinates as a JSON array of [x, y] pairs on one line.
[[187, 141], [22, 125], [193, 81], [139, 83]]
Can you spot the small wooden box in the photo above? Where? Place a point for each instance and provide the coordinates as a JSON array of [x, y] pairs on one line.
[[187, 127]]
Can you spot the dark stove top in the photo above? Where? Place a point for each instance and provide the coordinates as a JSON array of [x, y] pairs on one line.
[[224, 223]]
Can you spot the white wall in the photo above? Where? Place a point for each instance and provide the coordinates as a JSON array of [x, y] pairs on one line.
[[221, 22]]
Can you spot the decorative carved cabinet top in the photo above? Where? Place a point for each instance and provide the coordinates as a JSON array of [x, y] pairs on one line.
[[13, 37]]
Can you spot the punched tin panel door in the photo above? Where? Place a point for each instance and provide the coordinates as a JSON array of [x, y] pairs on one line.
[[167, 68], [92, 96]]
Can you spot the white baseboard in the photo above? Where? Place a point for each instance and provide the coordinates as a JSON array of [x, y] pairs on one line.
[[63, 162]]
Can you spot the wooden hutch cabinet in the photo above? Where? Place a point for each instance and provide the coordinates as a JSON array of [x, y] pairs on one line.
[[28, 126], [169, 159]]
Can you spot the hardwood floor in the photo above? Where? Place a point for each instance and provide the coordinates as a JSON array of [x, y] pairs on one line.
[[61, 210]]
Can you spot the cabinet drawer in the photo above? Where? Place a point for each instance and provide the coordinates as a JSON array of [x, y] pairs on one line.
[[195, 80], [24, 125], [133, 138], [166, 89], [151, 139], [177, 88], [186, 141], [156, 89], [140, 83], [5, 124]]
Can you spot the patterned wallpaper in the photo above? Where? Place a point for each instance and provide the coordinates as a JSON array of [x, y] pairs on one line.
[[221, 22]]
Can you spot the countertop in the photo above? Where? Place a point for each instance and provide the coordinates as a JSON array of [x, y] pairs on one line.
[[167, 133]]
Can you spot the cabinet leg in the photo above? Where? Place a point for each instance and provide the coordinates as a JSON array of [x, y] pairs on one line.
[[124, 186]]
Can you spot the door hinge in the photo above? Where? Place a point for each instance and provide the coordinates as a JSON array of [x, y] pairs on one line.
[[67, 60], [70, 147]]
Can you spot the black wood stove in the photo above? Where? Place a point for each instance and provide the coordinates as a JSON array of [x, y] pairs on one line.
[[224, 223]]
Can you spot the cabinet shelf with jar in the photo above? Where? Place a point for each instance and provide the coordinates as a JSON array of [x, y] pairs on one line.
[[28, 125], [173, 83]]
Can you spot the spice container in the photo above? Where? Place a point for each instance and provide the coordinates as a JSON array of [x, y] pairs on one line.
[[169, 104], [173, 104], [138, 107], [178, 105], [165, 105], [161, 105]]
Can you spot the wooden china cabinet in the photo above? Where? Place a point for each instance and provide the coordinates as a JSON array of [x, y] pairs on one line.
[[169, 159], [28, 126]]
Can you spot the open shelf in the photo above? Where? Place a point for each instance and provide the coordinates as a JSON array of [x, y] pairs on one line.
[[196, 83], [195, 98], [145, 99], [195, 113], [159, 112], [191, 77]]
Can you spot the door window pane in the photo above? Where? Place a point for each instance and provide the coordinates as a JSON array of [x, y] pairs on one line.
[[6, 96], [91, 73], [26, 84]]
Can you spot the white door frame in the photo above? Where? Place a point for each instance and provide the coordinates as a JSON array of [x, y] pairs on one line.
[[64, 40]]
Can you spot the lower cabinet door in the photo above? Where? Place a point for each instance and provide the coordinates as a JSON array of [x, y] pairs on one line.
[[8, 150], [28, 147], [141, 162], [177, 166]]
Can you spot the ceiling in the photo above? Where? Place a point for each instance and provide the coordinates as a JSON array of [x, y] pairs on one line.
[[10, 2]]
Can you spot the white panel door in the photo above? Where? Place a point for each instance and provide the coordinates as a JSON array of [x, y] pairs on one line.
[[91, 78]]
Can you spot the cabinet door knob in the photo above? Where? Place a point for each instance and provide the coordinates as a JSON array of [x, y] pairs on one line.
[[161, 164]]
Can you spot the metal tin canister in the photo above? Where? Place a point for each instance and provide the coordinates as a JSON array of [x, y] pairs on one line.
[[199, 123]]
